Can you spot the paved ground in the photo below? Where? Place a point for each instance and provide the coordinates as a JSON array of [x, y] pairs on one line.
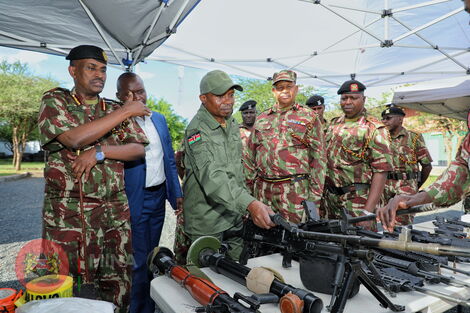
[[20, 217]]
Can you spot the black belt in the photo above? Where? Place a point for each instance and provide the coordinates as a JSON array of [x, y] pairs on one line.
[[284, 179], [403, 175], [342, 190], [155, 188]]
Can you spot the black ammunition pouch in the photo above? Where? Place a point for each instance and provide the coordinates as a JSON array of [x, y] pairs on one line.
[[318, 272]]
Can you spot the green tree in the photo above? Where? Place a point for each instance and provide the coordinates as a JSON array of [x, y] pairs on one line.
[[176, 123], [19, 104]]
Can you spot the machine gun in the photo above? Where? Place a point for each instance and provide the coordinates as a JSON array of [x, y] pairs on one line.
[[354, 252], [213, 298], [398, 281], [206, 252]]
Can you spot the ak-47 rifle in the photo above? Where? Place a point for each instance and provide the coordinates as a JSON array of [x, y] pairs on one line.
[[354, 252]]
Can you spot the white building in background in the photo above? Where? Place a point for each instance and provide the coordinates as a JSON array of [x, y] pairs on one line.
[[31, 147]]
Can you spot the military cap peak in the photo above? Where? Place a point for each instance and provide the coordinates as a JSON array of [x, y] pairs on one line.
[[315, 100], [217, 82], [287, 75], [351, 86], [393, 110], [87, 52], [248, 105]]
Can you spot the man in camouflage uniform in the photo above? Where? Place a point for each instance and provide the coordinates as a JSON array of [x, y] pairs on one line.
[[358, 154], [448, 189], [285, 161], [317, 104], [85, 207], [409, 151], [248, 112], [216, 198]]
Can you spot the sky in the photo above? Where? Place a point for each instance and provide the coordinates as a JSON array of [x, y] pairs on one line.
[[177, 84]]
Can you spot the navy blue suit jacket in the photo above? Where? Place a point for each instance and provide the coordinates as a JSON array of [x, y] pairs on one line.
[[135, 171]]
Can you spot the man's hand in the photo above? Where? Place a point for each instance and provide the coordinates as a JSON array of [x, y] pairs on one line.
[[135, 108], [260, 214], [179, 206], [83, 163], [387, 214]]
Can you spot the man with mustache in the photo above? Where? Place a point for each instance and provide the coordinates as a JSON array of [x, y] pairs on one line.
[[85, 206], [215, 195], [285, 162], [358, 154]]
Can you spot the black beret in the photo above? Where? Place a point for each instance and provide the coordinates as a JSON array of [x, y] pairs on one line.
[[315, 100], [87, 52], [393, 111], [351, 86], [248, 105]]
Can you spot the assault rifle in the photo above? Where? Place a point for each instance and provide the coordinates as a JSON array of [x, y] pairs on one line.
[[354, 253]]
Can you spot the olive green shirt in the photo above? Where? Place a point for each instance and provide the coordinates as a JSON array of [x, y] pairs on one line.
[[216, 197]]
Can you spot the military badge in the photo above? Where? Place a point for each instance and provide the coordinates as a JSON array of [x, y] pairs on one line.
[[194, 138], [105, 57], [354, 88], [296, 122]]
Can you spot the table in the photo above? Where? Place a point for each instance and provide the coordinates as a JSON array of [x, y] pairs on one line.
[[172, 298]]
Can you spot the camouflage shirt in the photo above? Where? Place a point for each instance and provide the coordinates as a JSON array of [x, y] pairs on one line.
[[215, 194], [59, 113], [244, 135], [285, 142], [356, 149], [454, 183], [409, 151]]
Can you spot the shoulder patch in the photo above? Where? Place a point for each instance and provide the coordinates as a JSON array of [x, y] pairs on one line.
[[194, 138]]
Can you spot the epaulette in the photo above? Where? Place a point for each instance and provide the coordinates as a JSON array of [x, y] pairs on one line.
[[374, 121], [57, 90]]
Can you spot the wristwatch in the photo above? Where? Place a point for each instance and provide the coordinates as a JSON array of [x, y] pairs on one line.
[[99, 154]]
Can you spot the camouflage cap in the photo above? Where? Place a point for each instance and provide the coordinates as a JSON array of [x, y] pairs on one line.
[[393, 111], [87, 52], [286, 75], [315, 100], [217, 82], [248, 105], [351, 86]]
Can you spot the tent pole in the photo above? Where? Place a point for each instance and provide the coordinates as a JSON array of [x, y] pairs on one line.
[[100, 31], [149, 31]]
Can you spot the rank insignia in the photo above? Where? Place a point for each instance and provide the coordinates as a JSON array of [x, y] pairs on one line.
[[194, 138], [296, 122]]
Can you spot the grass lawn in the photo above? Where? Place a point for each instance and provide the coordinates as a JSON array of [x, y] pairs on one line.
[[6, 167]]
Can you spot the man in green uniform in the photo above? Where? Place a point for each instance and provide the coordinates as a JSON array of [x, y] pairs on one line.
[[409, 152], [216, 198], [85, 206], [285, 162], [358, 154]]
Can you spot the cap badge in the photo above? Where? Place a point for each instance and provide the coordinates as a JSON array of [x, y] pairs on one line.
[[105, 57], [354, 87]]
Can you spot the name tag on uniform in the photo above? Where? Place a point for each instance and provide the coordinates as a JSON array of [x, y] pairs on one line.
[[74, 108]]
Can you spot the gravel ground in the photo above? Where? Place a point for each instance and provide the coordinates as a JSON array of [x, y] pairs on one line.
[[20, 217]]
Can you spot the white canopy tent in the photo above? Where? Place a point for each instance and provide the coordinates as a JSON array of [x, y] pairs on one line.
[[128, 30], [379, 42], [447, 97]]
